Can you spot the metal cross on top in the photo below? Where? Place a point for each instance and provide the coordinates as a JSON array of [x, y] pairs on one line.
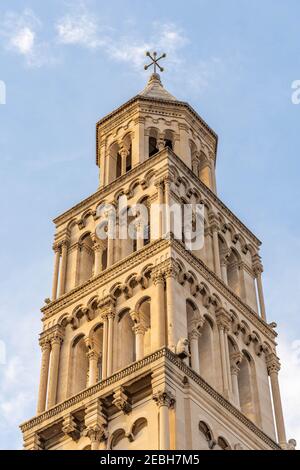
[[155, 60]]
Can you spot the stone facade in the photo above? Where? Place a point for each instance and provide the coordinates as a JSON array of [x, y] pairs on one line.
[[148, 345]]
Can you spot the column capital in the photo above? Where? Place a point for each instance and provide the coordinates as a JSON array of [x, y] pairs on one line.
[[45, 343], [171, 270], [214, 222], [273, 363], [235, 360], [257, 264], [56, 248], [97, 433], [223, 319], [164, 398], [57, 334], [194, 334], [157, 276], [139, 329], [98, 243]]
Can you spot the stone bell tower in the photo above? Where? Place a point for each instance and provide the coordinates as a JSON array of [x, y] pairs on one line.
[[145, 343]]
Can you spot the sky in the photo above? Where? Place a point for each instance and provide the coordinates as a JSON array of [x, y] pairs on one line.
[[64, 65]]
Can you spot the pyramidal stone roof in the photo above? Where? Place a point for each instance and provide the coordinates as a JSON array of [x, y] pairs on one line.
[[154, 89]]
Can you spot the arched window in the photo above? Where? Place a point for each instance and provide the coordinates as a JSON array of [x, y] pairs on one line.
[[144, 311], [129, 159], [79, 365], [147, 226], [206, 441], [118, 165], [206, 352], [153, 137], [248, 394], [169, 139], [126, 354], [87, 258], [222, 444], [233, 274], [204, 170], [97, 339]]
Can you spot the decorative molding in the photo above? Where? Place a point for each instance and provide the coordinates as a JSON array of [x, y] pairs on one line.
[[134, 368]]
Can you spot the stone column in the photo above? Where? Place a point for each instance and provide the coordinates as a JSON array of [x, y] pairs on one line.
[[235, 360], [164, 401], [93, 357], [158, 230], [139, 331], [223, 322], [185, 152], [64, 256], [56, 249], [224, 270], [167, 227], [104, 345], [110, 316], [124, 152], [46, 347], [98, 250], [171, 276], [56, 341], [194, 346], [98, 435], [273, 366], [214, 225], [140, 236], [158, 315], [140, 145], [258, 269], [110, 252]]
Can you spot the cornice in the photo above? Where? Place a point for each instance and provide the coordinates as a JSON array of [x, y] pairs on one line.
[[135, 367], [103, 278], [135, 259]]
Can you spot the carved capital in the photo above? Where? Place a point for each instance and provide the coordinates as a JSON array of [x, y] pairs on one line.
[[97, 433], [223, 319], [164, 398], [56, 248], [157, 277], [273, 363], [214, 222], [235, 360], [45, 344], [139, 329]]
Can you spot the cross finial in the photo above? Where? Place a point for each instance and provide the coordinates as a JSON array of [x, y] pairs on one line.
[[155, 60]]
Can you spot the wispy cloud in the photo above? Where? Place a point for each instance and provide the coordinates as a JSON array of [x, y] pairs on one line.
[[79, 28], [84, 28], [20, 33]]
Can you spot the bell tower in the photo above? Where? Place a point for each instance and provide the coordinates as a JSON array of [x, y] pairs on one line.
[[147, 344]]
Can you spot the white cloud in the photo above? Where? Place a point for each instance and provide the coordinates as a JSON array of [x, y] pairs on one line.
[[20, 33], [80, 29], [23, 40]]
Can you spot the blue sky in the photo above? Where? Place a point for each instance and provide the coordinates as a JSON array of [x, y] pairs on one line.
[[66, 64]]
